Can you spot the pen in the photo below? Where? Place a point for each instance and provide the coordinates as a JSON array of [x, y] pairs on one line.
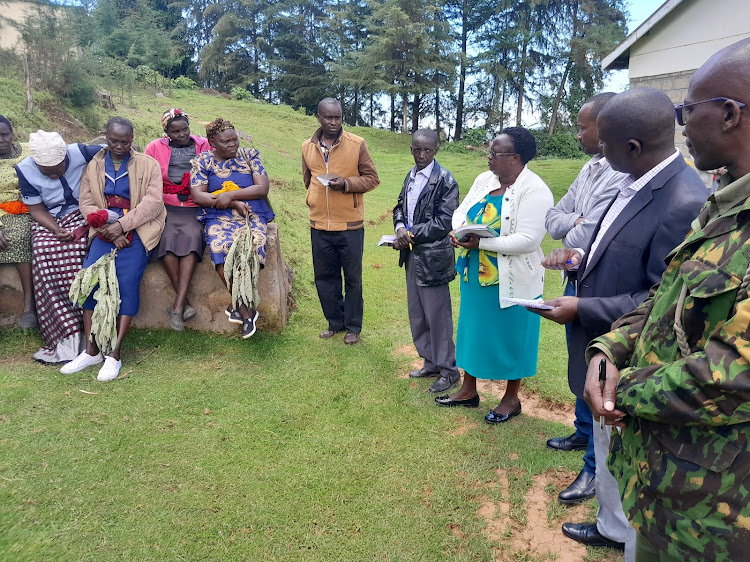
[[602, 381], [409, 233]]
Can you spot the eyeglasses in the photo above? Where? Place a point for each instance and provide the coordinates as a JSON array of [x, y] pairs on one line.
[[682, 116], [494, 154]]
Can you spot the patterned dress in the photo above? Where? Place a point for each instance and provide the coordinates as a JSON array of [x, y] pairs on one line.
[[491, 342], [17, 227], [223, 225]]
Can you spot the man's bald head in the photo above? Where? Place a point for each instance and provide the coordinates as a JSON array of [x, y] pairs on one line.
[[645, 114], [636, 130], [427, 135], [718, 131], [328, 101]]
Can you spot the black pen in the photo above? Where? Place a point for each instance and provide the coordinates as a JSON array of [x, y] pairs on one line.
[[602, 382]]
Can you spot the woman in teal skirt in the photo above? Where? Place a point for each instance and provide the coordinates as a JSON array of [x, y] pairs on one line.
[[497, 340]]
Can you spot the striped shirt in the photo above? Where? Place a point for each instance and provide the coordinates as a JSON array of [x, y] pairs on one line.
[[628, 188]]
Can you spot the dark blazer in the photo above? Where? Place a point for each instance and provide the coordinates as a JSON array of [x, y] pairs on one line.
[[631, 257], [434, 258]]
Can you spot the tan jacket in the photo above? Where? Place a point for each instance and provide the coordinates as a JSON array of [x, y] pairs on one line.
[[147, 212], [331, 209]]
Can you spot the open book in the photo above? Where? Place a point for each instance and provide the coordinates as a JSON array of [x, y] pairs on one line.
[[478, 230], [538, 304], [387, 240]]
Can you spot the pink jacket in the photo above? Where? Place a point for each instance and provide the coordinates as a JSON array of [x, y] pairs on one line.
[[160, 151]]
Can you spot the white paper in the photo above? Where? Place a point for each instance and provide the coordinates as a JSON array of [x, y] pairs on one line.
[[387, 240], [538, 304], [325, 179]]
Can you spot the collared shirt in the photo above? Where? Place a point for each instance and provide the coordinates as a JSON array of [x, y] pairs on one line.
[[417, 181], [59, 196], [628, 188]]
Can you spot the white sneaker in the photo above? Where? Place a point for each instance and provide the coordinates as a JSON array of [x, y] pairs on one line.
[[109, 370], [80, 363]]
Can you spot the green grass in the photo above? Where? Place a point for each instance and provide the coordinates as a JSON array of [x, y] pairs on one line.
[[282, 447]]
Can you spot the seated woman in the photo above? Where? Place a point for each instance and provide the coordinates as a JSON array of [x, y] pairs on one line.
[[182, 242], [125, 184], [50, 181], [231, 185], [15, 221], [496, 340]]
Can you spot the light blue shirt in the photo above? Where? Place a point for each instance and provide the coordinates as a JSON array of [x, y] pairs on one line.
[[417, 180]]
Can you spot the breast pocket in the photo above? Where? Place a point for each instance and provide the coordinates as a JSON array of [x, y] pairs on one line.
[[711, 293]]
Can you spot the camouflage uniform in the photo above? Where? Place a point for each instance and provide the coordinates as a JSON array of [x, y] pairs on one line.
[[683, 461]]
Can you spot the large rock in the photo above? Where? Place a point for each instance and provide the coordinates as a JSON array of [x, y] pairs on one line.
[[207, 294]]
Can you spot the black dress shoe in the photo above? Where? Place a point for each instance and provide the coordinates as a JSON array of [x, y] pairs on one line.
[[421, 373], [570, 443], [444, 382], [449, 402], [580, 490], [588, 534], [494, 417]]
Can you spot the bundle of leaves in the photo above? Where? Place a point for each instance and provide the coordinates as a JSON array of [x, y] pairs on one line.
[[241, 269], [104, 320]]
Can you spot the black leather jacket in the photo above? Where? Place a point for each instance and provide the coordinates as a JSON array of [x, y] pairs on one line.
[[434, 258]]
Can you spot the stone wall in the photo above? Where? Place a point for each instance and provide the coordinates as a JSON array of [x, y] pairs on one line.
[[207, 294]]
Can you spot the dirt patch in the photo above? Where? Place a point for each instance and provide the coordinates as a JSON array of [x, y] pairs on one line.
[[409, 350], [464, 425], [531, 403], [539, 534], [68, 126]]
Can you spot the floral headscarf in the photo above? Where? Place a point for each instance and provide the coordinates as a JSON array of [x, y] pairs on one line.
[[170, 115]]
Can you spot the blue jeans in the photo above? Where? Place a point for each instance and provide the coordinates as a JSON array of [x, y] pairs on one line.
[[584, 418]]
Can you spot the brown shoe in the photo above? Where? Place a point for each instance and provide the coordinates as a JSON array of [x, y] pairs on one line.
[[351, 338], [329, 334]]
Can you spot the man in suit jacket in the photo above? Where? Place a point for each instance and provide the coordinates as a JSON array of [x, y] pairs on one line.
[[422, 220], [649, 217]]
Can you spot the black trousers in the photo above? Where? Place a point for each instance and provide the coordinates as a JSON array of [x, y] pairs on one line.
[[334, 253]]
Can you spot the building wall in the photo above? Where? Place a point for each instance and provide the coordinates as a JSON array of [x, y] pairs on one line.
[[16, 10], [688, 36]]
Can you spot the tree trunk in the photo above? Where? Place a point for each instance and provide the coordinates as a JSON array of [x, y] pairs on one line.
[[27, 76], [415, 112], [371, 109], [522, 80], [393, 113], [558, 97], [561, 89], [437, 111], [404, 113], [462, 71]]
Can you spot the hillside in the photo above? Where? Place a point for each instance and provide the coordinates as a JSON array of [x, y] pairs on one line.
[[281, 447]]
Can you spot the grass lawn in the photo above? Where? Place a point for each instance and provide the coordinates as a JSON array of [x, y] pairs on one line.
[[282, 447]]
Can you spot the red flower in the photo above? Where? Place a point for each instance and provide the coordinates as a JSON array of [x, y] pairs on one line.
[[97, 219]]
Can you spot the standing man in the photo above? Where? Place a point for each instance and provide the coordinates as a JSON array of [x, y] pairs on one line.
[[574, 219], [653, 210], [678, 378], [422, 219], [337, 170]]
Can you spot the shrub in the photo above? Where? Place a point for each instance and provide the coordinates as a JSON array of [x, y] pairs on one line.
[[240, 93], [184, 83], [562, 144]]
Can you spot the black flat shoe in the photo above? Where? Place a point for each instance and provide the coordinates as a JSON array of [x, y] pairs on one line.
[[421, 373], [588, 534], [580, 490], [570, 443], [493, 417], [449, 402]]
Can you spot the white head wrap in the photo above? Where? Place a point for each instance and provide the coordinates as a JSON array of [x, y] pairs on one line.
[[47, 149]]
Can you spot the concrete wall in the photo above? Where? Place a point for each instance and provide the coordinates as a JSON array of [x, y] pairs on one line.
[[688, 36], [207, 294], [16, 10]]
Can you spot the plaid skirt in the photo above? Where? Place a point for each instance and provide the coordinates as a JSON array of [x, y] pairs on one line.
[[54, 266]]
